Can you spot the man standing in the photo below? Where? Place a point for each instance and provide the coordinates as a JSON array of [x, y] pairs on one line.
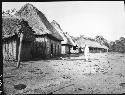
[[86, 52]]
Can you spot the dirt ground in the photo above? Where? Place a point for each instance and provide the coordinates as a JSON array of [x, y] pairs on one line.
[[103, 74]]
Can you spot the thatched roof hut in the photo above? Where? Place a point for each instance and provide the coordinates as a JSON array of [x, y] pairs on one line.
[[82, 41], [65, 36], [37, 21]]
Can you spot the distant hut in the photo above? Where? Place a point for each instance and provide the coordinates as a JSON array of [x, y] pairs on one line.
[[47, 40], [67, 44], [12, 27], [73, 49], [93, 45]]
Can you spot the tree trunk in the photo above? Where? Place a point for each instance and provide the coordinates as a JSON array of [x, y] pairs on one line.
[[21, 38]]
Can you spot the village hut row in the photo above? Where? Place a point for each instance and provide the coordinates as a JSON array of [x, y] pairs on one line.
[[30, 35], [41, 39]]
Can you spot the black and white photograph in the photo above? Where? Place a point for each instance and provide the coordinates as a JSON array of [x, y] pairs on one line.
[[65, 47]]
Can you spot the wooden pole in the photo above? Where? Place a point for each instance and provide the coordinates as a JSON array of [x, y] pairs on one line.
[[107, 50], [44, 48], [19, 53]]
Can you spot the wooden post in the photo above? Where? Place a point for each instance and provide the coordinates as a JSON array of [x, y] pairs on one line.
[[20, 45], [44, 48]]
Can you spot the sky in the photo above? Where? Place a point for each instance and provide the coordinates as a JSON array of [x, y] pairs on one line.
[[88, 18]]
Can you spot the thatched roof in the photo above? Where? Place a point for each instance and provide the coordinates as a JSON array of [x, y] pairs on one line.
[[12, 25], [82, 41], [56, 33], [73, 38], [70, 39], [37, 20], [67, 39]]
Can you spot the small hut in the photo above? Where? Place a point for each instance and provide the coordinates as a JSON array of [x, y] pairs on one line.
[[73, 49], [94, 46], [67, 44], [12, 28], [47, 40]]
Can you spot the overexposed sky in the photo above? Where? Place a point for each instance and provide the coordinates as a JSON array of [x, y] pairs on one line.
[[89, 18]]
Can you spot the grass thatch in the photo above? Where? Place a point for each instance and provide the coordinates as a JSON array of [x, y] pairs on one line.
[[67, 39], [82, 41], [12, 25], [37, 20], [70, 39]]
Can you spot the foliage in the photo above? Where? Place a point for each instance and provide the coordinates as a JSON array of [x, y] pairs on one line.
[[118, 45], [115, 46], [102, 40], [9, 12]]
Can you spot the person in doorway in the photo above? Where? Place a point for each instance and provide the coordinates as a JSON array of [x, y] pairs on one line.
[[86, 52]]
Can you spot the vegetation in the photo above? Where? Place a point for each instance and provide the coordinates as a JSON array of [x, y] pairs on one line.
[[118, 45], [102, 40], [9, 12], [114, 46]]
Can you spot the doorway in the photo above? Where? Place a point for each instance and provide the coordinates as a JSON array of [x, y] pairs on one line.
[[51, 50]]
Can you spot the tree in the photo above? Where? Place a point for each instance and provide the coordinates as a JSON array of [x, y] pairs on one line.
[[121, 44], [122, 39], [99, 39], [102, 40], [112, 46], [118, 45], [9, 12]]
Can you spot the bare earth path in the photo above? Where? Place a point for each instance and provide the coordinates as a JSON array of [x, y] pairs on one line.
[[104, 74]]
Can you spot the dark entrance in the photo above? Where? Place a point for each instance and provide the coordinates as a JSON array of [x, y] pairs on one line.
[[51, 50], [58, 49]]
